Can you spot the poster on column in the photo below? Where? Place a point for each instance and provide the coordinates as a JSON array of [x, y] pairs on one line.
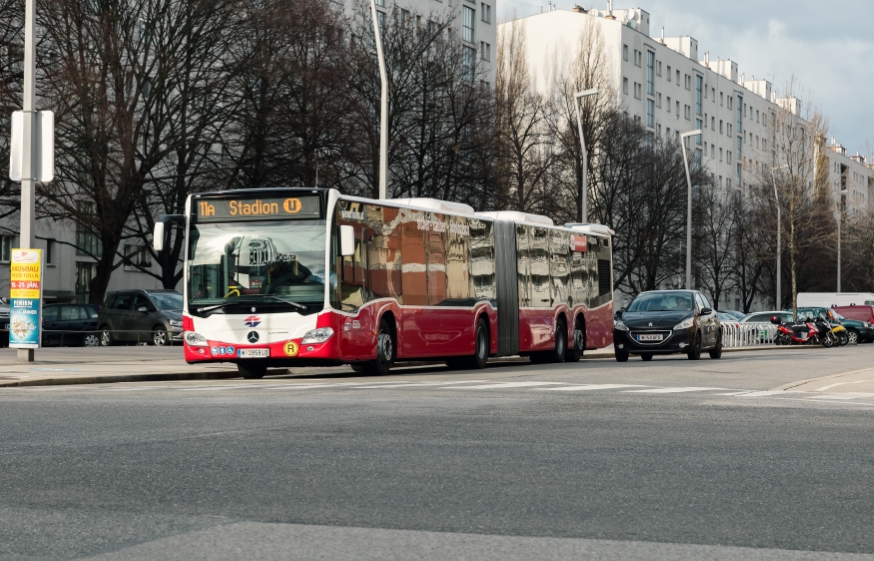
[[25, 294]]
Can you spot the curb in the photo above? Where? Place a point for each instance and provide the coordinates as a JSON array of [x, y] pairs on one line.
[[230, 374]]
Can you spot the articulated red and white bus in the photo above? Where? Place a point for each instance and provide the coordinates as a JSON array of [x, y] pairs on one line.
[[308, 277]]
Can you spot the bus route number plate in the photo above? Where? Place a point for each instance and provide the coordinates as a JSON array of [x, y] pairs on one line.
[[254, 353]]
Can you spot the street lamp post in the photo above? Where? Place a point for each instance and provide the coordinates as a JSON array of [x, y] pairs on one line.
[[584, 196], [383, 118], [683, 138], [779, 231], [841, 193]]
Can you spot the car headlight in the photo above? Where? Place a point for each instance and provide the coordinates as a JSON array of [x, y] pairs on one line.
[[317, 335], [619, 326], [195, 339], [175, 323], [867, 324], [685, 324]]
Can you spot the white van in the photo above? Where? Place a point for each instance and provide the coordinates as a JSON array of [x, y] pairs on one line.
[[829, 299]]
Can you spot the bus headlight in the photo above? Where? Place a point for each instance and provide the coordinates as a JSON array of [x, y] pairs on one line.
[[319, 335], [195, 339]]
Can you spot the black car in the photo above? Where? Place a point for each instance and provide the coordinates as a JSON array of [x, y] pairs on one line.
[[667, 322], [70, 325], [141, 316]]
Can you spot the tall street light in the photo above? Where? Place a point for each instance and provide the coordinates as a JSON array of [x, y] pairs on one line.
[[841, 193], [779, 231], [383, 119], [683, 138], [584, 196]]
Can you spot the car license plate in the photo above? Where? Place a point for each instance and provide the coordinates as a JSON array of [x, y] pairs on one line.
[[650, 337], [254, 353]]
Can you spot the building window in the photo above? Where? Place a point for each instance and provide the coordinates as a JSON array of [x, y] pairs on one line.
[[730, 99], [87, 240], [467, 24], [720, 127], [728, 128], [688, 82], [625, 53], [380, 3], [740, 117], [688, 114], [637, 57], [698, 157], [650, 113], [728, 156], [669, 74], [486, 13], [50, 252], [659, 103], [721, 99], [669, 104], [720, 154], [468, 61], [405, 16], [85, 272], [625, 86], [678, 109], [6, 248], [713, 123], [678, 77], [699, 86], [638, 90], [728, 183], [136, 257], [698, 126], [485, 51], [659, 68], [650, 73]]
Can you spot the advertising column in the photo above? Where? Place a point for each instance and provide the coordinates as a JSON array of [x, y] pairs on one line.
[[25, 292]]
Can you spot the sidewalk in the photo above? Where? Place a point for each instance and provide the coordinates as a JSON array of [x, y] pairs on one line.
[[106, 365]]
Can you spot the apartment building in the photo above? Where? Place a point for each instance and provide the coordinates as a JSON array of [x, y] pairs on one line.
[[669, 87], [473, 23], [850, 180]]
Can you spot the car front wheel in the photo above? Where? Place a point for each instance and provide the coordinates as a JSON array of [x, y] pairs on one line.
[[160, 337]]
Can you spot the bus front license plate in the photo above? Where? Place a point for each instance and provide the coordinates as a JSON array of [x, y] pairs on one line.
[[254, 353]]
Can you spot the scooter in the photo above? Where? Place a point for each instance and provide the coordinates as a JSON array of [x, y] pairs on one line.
[[826, 332], [801, 333]]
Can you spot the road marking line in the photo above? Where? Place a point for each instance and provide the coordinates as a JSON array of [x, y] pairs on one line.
[[673, 390], [219, 388], [841, 396], [765, 393], [591, 387], [302, 386], [822, 389], [143, 388], [417, 385], [504, 385]]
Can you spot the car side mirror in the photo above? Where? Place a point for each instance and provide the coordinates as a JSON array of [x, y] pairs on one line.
[[143, 310], [347, 241], [620, 312], [706, 311]]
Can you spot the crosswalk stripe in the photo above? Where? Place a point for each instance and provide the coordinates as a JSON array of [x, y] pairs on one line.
[[504, 385], [220, 388], [841, 397], [591, 387], [761, 393], [673, 390]]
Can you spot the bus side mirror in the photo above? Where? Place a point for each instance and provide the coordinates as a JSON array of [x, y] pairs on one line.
[[158, 237], [347, 241]]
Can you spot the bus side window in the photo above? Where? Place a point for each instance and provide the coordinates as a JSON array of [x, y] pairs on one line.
[[436, 260], [541, 294], [354, 288], [459, 282], [482, 255], [413, 258], [523, 265], [384, 259], [559, 246]]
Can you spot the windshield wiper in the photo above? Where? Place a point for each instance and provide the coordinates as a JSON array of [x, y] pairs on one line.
[[248, 296]]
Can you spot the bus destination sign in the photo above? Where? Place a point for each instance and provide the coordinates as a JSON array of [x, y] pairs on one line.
[[239, 210]]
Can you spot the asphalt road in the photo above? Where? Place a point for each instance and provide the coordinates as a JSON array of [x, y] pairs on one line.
[[670, 459]]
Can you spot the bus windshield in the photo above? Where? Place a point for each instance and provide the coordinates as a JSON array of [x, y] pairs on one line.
[[274, 265]]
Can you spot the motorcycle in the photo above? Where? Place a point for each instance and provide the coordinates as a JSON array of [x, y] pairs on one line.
[[826, 332], [800, 333]]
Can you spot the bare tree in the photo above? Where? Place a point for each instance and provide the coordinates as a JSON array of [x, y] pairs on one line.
[[715, 237]]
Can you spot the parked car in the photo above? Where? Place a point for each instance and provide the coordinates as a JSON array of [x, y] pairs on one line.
[[765, 317], [737, 315], [829, 299], [667, 322], [70, 325], [858, 331], [139, 316], [861, 313]]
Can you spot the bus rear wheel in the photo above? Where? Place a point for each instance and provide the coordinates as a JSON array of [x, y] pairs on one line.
[[385, 351], [576, 353], [480, 357], [251, 371]]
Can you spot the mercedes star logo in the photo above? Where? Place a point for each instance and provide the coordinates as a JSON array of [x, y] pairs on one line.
[[252, 337]]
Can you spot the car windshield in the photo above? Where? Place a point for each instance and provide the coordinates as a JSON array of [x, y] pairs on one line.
[[661, 302], [836, 315], [167, 300], [257, 263]]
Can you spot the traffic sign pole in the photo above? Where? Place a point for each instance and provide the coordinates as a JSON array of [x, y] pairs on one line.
[[28, 169]]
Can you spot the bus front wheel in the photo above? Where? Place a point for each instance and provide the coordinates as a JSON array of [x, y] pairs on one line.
[[385, 350], [251, 371]]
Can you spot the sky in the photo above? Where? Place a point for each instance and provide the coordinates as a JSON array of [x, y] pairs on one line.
[[828, 47]]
